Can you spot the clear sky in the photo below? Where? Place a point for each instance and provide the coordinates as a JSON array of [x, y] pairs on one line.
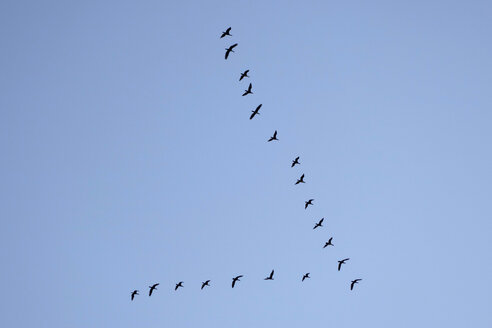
[[127, 159]]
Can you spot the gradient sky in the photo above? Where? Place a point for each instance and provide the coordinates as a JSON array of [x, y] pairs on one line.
[[127, 158]]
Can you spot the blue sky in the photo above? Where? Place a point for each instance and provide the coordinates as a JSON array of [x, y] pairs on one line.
[[128, 159]]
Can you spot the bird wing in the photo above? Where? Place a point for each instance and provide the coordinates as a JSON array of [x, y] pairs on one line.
[[329, 240], [345, 259], [339, 265], [233, 46], [275, 134], [228, 30], [250, 86], [227, 53], [258, 108], [321, 221], [246, 72], [252, 115], [352, 285], [233, 282], [271, 274]]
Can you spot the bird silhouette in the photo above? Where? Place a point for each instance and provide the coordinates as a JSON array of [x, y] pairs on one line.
[[301, 179], [274, 137], [296, 161], [235, 279], [244, 74], [248, 91], [152, 288], [305, 276], [229, 50], [255, 112], [205, 284], [356, 281], [309, 202], [179, 284], [342, 262], [328, 243], [135, 292], [319, 224], [227, 32], [270, 277]]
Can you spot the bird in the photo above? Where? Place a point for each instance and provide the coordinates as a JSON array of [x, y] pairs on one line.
[[256, 111], [226, 33], [301, 179], [135, 292], [248, 91], [274, 137], [356, 281], [296, 161], [229, 50], [309, 202], [244, 74], [305, 276], [319, 224], [328, 243], [235, 279], [342, 262], [154, 286], [270, 277], [180, 284], [205, 284]]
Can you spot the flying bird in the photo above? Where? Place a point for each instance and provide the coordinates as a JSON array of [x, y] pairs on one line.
[[235, 279], [227, 32], [319, 224], [255, 112], [301, 179], [244, 74], [229, 50], [274, 137], [180, 284], [328, 243], [270, 277], [341, 262], [356, 281], [152, 288], [296, 161], [309, 202], [305, 276], [135, 292], [205, 284], [248, 91]]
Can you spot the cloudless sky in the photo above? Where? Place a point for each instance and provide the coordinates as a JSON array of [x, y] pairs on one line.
[[127, 158]]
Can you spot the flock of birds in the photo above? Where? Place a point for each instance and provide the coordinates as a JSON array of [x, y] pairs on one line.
[[299, 180]]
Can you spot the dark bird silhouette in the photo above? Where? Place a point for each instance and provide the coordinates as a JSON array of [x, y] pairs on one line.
[[319, 224], [180, 284], [296, 161], [341, 262], [356, 281], [205, 284], [229, 50], [328, 243], [305, 276], [301, 179], [309, 202], [274, 137], [255, 112], [235, 279], [244, 74], [248, 91], [270, 277], [135, 292], [227, 32], [152, 288]]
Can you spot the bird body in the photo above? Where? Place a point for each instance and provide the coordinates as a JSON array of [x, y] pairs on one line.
[[296, 161], [356, 281], [227, 32], [248, 91], [205, 284], [342, 262], [179, 284], [244, 74], [229, 50], [152, 288], [305, 276], [319, 224], [300, 180], [274, 137], [309, 202], [135, 292], [255, 112], [235, 279], [270, 277]]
